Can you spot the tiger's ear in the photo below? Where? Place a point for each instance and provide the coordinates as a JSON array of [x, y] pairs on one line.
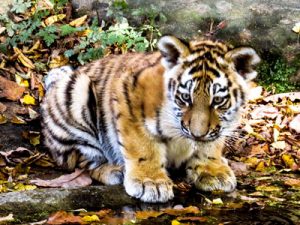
[[244, 60], [172, 50]]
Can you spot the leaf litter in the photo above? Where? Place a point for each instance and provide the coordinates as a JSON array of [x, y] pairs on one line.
[[266, 158]]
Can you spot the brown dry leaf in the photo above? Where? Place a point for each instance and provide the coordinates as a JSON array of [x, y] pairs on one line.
[[10, 90], [186, 210], [62, 217], [292, 182], [16, 156], [17, 120], [192, 218], [239, 168], [143, 215], [23, 59], [295, 124], [264, 111], [79, 178], [259, 149], [275, 98], [2, 108]]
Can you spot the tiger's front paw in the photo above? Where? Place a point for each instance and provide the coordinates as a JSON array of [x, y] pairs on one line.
[[149, 190], [212, 176]]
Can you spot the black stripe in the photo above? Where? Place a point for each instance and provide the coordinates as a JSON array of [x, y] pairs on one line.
[[102, 122], [70, 120], [69, 90], [136, 77], [127, 98], [92, 106], [158, 125]]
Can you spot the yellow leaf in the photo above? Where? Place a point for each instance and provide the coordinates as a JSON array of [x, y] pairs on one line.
[[89, 219], [175, 222], [78, 22], [36, 46], [24, 187], [58, 61], [21, 82], [53, 19], [84, 33], [35, 140], [17, 120], [41, 91], [260, 166], [268, 188], [23, 59], [2, 119], [296, 28], [288, 160], [217, 201], [252, 162], [28, 100]]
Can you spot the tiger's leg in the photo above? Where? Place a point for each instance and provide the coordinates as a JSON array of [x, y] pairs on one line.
[[209, 171], [98, 167], [145, 174]]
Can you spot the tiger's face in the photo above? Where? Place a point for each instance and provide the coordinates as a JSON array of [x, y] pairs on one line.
[[207, 83]]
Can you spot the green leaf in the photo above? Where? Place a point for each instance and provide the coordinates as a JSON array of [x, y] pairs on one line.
[[67, 29], [20, 6]]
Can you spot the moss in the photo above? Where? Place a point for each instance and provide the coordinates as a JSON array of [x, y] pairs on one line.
[[275, 75]]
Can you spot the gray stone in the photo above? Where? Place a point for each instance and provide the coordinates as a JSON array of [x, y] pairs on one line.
[[266, 25], [38, 204]]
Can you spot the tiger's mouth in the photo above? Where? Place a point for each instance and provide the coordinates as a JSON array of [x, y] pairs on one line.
[[203, 138]]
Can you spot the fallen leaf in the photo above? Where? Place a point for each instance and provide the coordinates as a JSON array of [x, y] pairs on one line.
[[78, 22], [295, 124], [275, 98], [10, 90], [239, 168], [268, 188], [186, 210], [28, 100], [21, 81], [90, 219], [217, 201], [58, 61], [279, 144], [62, 217], [175, 222], [53, 19], [192, 218], [296, 28], [264, 111], [8, 218], [17, 120], [2, 108], [3, 119], [79, 178], [32, 114], [23, 59], [24, 187], [143, 215], [289, 161], [292, 182], [255, 93]]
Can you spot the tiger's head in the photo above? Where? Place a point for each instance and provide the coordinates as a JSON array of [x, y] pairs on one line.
[[206, 82]]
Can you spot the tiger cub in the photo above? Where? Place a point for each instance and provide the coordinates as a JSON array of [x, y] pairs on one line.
[[127, 118]]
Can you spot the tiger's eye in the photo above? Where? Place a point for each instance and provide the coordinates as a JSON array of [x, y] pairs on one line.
[[185, 97], [218, 99]]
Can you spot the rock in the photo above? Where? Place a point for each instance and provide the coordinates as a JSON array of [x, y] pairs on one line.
[[10, 90], [265, 25], [38, 204]]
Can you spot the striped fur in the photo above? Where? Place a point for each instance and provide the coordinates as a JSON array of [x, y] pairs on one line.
[[138, 114]]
